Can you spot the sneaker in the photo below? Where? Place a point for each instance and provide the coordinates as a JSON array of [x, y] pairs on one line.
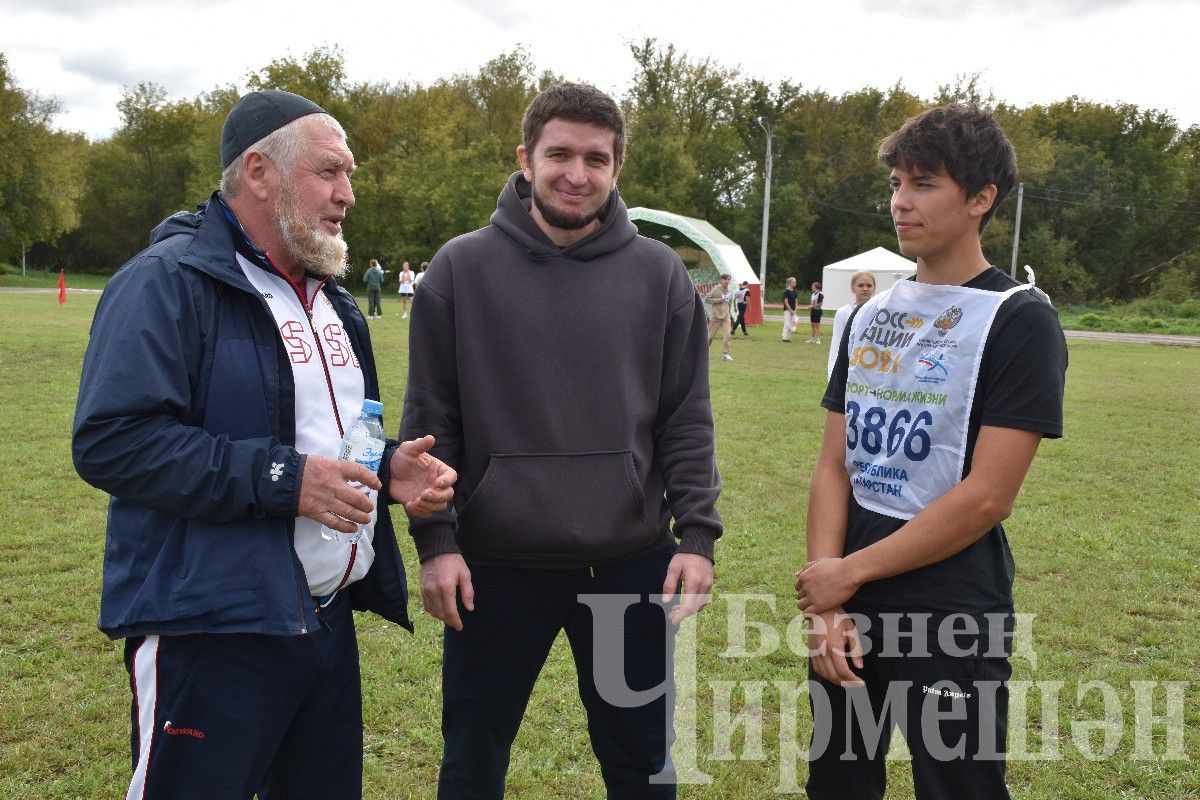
[[818, 341], [404, 315], [726, 357]]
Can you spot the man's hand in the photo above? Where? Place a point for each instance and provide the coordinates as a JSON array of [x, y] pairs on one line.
[[696, 573], [823, 584], [443, 577], [327, 496], [421, 482], [831, 637]]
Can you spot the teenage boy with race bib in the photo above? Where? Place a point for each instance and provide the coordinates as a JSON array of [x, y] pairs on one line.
[[943, 388]]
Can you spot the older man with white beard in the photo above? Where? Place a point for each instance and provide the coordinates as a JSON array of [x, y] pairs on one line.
[[225, 365]]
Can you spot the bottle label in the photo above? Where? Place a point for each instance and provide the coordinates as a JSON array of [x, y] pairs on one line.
[[368, 452]]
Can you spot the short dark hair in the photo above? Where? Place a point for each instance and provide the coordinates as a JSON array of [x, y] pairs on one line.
[[578, 102], [962, 140]]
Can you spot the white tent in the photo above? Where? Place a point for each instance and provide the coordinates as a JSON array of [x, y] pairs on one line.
[[704, 250], [886, 266]]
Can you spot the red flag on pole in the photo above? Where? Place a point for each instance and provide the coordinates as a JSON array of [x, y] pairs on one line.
[[62, 286]]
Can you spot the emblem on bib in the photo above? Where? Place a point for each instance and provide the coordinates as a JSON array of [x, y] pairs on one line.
[[949, 318], [933, 368]]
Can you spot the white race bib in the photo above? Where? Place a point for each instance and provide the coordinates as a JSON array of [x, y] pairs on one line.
[[914, 352]]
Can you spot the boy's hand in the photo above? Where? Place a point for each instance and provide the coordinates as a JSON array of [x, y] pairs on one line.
[[824, 584], [831, 638]]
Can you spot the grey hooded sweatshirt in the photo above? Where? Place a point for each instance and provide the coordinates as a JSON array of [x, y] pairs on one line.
[[569, 388]]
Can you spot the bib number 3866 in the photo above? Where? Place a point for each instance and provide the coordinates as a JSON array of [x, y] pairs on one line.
[[872, 431]]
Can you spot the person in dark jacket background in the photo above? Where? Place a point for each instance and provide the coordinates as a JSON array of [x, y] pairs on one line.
[[224, 365], [742, 298], [576, 443], [373, 278]]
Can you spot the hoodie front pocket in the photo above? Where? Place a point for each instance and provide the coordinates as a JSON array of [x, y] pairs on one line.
[[557, 506]]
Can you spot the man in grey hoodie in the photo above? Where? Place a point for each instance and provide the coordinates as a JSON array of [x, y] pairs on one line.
[[576, 445]]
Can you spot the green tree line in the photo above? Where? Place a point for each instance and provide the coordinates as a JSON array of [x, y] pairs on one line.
[[1111, 204]]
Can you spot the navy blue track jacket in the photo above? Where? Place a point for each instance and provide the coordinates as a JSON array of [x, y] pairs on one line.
[[186, 418]]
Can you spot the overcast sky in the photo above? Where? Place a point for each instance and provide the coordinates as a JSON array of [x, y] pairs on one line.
[[1026, 51]]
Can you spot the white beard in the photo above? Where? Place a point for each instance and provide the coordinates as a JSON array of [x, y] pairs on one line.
[[307, 243]]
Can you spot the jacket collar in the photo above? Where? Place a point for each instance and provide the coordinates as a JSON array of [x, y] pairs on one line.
[[216, 235], [241, 240]]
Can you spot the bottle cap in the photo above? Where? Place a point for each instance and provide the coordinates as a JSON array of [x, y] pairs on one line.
[[373, 407]]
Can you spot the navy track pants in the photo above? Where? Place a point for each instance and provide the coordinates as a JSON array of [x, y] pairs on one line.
[[222, 716]]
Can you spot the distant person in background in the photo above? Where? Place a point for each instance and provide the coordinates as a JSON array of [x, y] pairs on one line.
[[789, 309], [741, 298], [407, 288], [420, 277], [814, 313], [373, 278], [862, 286], [719, 299]]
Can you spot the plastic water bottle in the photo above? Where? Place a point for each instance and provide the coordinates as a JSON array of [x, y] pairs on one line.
[[363, 444]]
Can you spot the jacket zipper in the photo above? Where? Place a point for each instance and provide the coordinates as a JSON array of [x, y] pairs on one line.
[[336, 415], [307, 304]]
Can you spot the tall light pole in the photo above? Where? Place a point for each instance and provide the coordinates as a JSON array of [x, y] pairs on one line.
[[1017, 229], [762, 258]]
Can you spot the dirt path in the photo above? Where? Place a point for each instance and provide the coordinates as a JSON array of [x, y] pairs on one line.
[[1137, 338], [1104, 336]]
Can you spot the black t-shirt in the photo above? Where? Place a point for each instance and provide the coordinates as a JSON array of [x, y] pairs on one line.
[[789, 299], [1020, 386]]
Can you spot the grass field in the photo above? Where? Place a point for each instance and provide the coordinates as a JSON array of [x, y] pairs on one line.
[[1105, 536], [37, 279], [1140, 316]]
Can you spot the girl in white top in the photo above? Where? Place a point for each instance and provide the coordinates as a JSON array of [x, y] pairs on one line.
[[862, 285], [406, 289]]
